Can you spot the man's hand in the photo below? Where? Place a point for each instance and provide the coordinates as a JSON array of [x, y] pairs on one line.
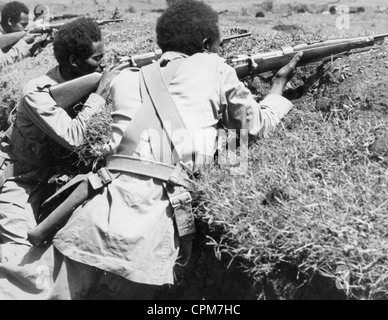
[[107, 76], [285, 74], [36, 42]]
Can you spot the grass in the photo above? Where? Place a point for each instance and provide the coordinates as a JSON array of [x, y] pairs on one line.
[[314, 198]]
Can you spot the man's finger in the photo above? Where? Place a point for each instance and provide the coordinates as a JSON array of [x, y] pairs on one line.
[[295, 60], [122, 66]]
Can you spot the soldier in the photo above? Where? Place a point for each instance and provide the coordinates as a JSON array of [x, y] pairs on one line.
[[125, 242], [26, 158], [14, 22]]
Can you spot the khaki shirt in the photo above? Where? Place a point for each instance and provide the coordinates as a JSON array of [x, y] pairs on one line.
[[206, 92], [39, 123], [127, 229], [18, 52]]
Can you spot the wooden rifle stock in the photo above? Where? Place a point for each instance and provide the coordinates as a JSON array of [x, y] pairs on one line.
[[70, 92], [47, 28], [48, 226], [244, 65]]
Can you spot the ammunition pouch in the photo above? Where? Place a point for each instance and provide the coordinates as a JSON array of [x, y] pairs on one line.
[[83, 187], [175, 180]]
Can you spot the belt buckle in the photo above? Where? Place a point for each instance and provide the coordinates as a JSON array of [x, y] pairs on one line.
[[181, 199]]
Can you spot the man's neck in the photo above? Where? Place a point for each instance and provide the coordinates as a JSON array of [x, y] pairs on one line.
[[67, 73]]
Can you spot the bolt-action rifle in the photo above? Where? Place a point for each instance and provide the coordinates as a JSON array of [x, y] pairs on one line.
[[243, 64], [10, 39], [65, 16], [85, 85], [50, 27], [312, 52]]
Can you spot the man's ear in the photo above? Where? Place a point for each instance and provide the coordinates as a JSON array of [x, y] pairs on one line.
[[206, 44], [9, 22], [73, 61]]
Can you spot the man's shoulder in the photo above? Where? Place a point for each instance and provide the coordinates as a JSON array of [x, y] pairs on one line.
[[206, 56], [209, 61], [42, 83]]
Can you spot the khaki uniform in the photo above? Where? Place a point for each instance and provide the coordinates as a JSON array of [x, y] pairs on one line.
[[39, 124], [133, 235], [127, 230], [18, 52]]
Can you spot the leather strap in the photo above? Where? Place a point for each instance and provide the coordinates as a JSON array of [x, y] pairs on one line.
[[159, 115], [165, 107], [174, 176]]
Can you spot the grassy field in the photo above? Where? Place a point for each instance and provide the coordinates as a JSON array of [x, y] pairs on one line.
[[312, 208]]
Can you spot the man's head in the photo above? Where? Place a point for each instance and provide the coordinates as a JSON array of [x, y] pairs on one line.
[[78, 47], [188, 26], [14, 17]]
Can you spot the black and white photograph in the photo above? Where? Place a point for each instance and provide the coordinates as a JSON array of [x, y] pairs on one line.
[[193, 155]]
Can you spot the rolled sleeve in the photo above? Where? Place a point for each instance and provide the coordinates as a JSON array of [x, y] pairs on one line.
[[55, 122], [243, 112], [94, 103], [18, 52]]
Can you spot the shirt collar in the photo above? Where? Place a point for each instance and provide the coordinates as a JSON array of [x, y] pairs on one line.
[[170, 56], [55, 75]]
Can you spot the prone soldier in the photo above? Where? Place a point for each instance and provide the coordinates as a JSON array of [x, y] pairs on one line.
[[40, 124], [16, 43], [125, 241]]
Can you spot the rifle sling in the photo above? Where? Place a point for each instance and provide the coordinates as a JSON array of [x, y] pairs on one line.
[[174, 178], [169, 121], [171, 175]]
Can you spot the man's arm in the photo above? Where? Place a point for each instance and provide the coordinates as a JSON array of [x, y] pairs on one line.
[[39, 107], [243, 112], [18, 52]]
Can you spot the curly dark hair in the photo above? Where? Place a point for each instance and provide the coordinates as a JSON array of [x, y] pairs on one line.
[[184, 25], [12, 10], [76, 38]]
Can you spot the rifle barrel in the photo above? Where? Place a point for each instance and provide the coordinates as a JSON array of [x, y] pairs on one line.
[[380, 36], [101, 22], [236, 36], [64, 16], [272, 61]]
